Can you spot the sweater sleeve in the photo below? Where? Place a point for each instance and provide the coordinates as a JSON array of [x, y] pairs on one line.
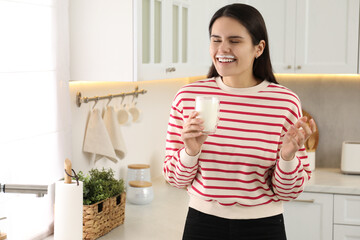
[[179, 168], [290, 177]]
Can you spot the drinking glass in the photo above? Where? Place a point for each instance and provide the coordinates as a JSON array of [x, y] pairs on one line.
[[208, 108]]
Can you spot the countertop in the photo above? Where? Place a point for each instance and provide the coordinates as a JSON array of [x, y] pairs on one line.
[[331, 180], [164, 217]]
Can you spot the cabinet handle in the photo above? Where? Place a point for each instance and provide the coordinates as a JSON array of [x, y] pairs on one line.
[[298, 67], [304, 200], [170, 69], [288, 67]]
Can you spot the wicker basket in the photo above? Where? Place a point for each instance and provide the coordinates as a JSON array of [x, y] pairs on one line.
[[100, 218]]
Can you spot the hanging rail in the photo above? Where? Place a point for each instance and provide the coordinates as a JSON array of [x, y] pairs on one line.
[[135, 93]]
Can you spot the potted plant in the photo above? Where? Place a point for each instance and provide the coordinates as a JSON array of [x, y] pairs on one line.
[[103, 202]]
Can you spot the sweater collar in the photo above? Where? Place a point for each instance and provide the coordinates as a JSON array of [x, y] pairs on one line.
[[261, 86]]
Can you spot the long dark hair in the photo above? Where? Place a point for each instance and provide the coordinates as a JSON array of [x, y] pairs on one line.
[[252, 20]]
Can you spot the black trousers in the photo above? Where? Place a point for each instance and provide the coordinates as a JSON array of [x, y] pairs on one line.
[[201, 226]]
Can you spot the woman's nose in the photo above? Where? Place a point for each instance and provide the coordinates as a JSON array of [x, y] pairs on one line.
[[224, 47]]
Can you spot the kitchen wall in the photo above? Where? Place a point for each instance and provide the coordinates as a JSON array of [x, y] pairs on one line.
[[333, 101], [144, 140]]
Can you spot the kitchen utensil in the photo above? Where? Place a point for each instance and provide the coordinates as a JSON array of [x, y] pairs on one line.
[[140, 192], [134, 111], [139, 172], [124, 117], [68, 207], [311, 143]]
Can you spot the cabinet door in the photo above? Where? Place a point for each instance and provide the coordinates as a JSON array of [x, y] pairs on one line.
[[101, 40], [279, 17], [309, 217], [346, 209], [344, 232], [150, 40], [200, 14], [327, 36], [172, 37]]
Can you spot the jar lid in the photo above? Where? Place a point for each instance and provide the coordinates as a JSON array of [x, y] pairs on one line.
[[138, 166], [140, 184]]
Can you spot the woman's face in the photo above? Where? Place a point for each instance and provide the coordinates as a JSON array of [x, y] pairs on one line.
[[231, 48]]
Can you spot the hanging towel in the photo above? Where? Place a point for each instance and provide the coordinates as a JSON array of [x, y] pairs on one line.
[[97, 139], [114, 131]]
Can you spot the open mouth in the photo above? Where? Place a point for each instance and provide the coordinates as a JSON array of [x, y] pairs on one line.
[[225, 58]]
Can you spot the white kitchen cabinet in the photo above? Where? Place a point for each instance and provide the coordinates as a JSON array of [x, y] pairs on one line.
[[162, 38], [323, 216], [346, 217], [311, 36], [101, 40], [134, 40], [172, 38], [346, 232], [309, 217]]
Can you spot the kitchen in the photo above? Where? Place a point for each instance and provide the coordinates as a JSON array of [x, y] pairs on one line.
[[48, 125]]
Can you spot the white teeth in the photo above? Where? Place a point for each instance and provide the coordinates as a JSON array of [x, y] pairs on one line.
[[225, 58]]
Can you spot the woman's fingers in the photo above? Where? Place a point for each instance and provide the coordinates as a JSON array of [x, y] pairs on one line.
[[188, 135], [306, 131], [313, 125], [296, 136], [302, 130], [193, 123], [193, 126]]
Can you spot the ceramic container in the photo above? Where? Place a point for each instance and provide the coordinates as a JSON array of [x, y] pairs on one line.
[[350, 157], [311, 157], [139, 192], [138, 172]]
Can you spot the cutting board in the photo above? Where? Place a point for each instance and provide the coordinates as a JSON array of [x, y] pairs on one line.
[[313, 141]]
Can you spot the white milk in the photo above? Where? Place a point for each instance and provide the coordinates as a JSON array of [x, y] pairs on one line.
[[208, 108]]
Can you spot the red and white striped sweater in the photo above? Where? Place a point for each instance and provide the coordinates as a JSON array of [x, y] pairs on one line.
[[238, 174]]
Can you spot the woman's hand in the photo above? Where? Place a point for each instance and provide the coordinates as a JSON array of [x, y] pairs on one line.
[[296, 136], [192, 135]]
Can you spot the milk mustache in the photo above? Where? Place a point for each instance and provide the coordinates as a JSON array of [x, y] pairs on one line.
[[208, 108]]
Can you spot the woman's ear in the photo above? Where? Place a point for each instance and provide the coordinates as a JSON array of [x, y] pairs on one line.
[[260, 48]]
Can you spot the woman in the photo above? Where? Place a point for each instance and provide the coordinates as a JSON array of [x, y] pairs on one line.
[[238, 177]]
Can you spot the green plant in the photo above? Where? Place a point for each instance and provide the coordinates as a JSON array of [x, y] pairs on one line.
[[100, 185]]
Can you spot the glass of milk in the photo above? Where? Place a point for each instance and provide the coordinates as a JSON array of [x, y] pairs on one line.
[[208, 109]]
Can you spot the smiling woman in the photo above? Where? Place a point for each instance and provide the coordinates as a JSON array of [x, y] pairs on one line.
[[238, 176], [34, 125]]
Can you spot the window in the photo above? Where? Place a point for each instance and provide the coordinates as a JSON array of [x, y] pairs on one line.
[[34, 103]]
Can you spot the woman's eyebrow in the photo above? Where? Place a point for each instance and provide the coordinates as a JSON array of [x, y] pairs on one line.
[[217, 36], [235, 37]]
